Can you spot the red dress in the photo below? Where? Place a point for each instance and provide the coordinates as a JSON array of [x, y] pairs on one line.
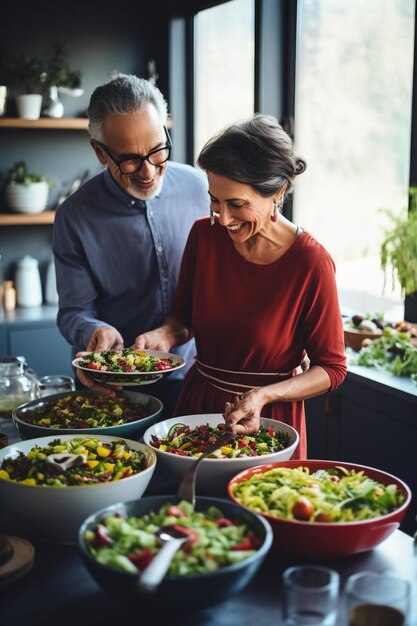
[[256, 319]]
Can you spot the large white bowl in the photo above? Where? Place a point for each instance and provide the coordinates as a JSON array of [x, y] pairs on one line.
[[55, 513], [214, 474]]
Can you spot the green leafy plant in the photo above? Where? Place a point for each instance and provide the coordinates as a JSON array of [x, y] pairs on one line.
[[19, 174], [399, 248], [57, 71]]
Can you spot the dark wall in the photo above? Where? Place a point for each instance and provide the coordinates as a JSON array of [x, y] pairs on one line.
[[100, 39]]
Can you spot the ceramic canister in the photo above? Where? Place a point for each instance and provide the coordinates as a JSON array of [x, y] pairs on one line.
[[28, 282]]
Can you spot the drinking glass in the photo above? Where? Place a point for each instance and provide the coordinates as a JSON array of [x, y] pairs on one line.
[[377, 599], [55, 384], [310, 595]]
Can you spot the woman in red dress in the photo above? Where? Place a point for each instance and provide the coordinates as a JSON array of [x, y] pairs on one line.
[[257, 292]]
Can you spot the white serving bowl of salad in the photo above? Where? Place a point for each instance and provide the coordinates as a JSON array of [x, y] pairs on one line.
[[226, 547], [129, 414], [322, 509], [41, 492], [171, 439]]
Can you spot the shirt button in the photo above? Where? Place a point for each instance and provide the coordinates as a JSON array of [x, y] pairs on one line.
[[160, 248], [132, 203], [151, 213]]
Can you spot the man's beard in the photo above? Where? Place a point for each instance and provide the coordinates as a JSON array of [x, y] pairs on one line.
[[146, 194]]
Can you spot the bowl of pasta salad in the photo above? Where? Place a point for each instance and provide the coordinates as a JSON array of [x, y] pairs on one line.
[[179, 441], [323, 509]]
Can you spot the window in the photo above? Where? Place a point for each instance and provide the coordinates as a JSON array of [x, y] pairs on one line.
[[353, 100], [224, 55]]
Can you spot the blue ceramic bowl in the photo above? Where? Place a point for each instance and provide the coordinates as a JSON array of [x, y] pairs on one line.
[[131, 430], [178, 595]]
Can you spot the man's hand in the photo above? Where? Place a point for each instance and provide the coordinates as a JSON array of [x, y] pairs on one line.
[[105, 338]]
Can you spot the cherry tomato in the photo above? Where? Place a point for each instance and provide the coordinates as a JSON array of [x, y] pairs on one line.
[[302, 509]]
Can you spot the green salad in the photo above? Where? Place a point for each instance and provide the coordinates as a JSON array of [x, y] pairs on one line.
[[390, 352], [78, 411], [332, 495], [215, 541], [183, 440], [97, 462]]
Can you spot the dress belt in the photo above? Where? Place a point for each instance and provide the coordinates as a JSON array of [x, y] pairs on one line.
[[217, 377]]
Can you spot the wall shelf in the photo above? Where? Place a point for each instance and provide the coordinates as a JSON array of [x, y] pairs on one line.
[[20, 219], [64, 123]]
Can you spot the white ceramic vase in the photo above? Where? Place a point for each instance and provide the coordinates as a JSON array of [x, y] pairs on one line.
[[28, 282], [29, 106], [30, 198]]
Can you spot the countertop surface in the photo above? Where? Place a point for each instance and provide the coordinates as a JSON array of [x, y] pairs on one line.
[[59, 590]]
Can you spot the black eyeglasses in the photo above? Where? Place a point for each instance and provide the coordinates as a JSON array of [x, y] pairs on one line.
[[132, 164]]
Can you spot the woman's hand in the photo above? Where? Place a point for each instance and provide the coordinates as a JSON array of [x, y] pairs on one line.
[[242, 416]]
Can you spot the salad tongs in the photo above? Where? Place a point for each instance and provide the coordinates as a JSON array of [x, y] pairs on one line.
[[187, 486]]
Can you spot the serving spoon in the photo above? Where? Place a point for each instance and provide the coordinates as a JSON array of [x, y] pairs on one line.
[[187, 486], [172, 539]]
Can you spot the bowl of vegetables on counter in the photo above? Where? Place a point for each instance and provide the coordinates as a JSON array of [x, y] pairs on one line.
[[129, 414], [360, 330], [323, 509], [225, 548], [51, 484], [179, 441]]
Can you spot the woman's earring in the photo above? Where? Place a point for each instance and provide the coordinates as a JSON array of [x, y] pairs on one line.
[[274, 215], [211, 217]]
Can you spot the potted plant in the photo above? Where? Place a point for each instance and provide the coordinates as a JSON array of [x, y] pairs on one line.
[[399, 248], [27, 77], [25, 192], [58, 77]]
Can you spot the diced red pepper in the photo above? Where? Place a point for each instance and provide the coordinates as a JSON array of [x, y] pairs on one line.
[[250, 543], [142, 559], [175, 511], [222, 522]]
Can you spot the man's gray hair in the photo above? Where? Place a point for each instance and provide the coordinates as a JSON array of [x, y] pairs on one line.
[[120, 96]]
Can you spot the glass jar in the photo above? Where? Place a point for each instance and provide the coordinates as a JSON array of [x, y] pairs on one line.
[[16, 387]]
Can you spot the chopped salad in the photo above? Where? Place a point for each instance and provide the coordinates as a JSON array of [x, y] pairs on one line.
[[102, 462], [126, 361], [78, 411], [215, 541], [332, 495], [185, 441]]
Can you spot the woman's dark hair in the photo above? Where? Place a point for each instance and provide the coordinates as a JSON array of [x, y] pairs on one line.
[[256, 151]]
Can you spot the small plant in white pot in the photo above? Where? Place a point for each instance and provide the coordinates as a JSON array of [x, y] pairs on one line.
[[26, 192]]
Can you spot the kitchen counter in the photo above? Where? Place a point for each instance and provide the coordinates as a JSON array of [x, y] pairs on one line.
[[59, 589]]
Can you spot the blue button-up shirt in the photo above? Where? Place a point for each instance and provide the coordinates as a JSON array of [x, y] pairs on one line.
[[117, 259]]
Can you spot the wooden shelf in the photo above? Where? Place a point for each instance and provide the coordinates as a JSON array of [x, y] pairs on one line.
[[25, 219], [64, 123]]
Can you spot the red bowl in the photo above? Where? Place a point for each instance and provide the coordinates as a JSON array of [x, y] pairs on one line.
[[329, 540]]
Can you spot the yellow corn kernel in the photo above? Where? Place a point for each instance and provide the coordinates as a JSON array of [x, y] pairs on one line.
[[226, 449], [28, 481], [109, 466], [163, 447], [4, 474], [118, 475], [92, 464], [102, 451], [40, 476]]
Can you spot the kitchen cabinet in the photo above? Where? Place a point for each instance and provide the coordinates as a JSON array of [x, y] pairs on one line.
[[370, 419], [33, 333]]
